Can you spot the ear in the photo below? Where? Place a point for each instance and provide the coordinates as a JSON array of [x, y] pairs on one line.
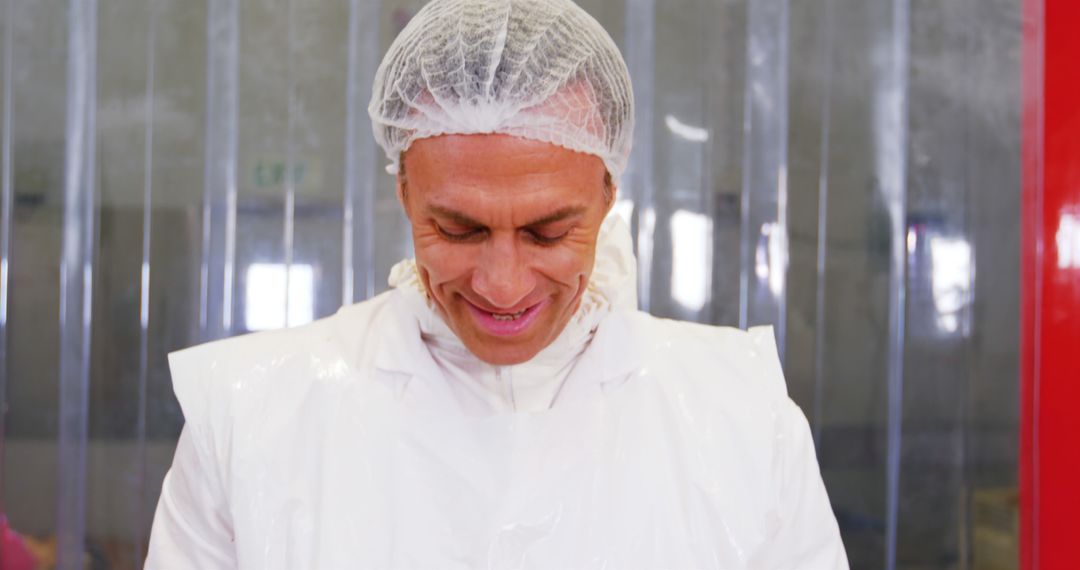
[[613, 196], [401, 195]]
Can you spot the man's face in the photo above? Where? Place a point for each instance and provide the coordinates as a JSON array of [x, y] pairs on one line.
[[505, 234]]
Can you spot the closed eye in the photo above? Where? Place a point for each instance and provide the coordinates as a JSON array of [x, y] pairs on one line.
[[544, 239], [462, 236]]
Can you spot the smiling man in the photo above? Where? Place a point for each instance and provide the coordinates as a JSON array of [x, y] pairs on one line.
[[504, 405], [505, 234]]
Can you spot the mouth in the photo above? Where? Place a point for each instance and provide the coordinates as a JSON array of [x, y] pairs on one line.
[[505, 324], [508, 317]]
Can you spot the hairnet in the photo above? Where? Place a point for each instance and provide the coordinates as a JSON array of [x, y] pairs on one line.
[[538, 69]]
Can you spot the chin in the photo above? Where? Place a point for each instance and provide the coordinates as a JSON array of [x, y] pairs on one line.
[[504, 356]]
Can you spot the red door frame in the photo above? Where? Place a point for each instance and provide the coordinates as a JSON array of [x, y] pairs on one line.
[[1050, 289]]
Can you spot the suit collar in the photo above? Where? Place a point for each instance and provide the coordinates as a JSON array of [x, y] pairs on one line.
[[614, 352]]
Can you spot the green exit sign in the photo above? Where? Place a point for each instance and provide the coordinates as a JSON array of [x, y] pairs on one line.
[[267, 173]]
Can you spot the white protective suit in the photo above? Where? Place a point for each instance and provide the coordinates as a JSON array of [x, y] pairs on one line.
[[373, 439]]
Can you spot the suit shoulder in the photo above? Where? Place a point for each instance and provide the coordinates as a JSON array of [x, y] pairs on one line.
[[204, 376], [245, 349], [717, 355]]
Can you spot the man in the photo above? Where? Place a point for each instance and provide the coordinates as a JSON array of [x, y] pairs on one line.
[[505, 405]]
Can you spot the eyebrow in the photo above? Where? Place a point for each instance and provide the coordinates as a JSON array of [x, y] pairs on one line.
[[463, 219]]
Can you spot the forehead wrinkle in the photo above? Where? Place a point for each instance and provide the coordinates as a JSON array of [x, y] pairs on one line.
[[469, 155], [518, 215], [486, 188]]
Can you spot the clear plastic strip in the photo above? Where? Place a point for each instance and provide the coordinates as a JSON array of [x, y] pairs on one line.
[[763, 239], [6, 204], [822, 223], [640, 49], [1032, 277], [219, 177], [358, 228], [144, 279], [76, 279], [966, 430], [288, 237], [891, 131]]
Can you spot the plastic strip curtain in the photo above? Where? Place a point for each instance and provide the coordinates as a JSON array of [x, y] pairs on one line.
[[1034, 126], [6, 203], [358, 239], [142, 498], [288, 234], [640, 54], [218, 269], [763, 240], [76, 279], [820, 316], [890, 128], [871, 189]]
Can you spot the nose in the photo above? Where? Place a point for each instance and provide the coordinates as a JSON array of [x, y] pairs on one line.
[[502, 276]]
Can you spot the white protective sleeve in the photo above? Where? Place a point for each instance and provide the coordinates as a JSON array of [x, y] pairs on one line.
[[191, 528], [808, 536]]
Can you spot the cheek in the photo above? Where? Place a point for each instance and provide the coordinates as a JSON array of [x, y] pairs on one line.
[[444, 263], [568, 266]]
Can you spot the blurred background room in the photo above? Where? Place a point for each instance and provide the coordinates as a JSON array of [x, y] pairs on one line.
[[850, 171]]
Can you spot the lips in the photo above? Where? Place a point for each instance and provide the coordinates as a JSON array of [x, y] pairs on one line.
[[505, 324], [508, 316]]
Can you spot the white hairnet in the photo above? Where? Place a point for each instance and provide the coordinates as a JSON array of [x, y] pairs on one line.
[[538, 69]]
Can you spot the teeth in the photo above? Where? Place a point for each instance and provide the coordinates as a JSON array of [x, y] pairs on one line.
[[515, 316]]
